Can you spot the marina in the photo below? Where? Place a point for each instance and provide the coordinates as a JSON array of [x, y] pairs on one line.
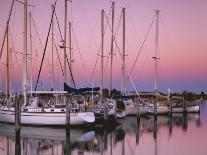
[[146, 136], [68, 86]]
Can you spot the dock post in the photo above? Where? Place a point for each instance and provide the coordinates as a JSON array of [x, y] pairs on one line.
[[184, 106], [155, 105], [17, 125], [170, 106], [155, 127], [105, 110], [137, 102], [138, 130], [67, 100], [17, 114]]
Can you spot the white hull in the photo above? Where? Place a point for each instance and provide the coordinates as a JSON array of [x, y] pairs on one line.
[[121, 114], [193, 108], [189, 109], [37, 117], [132, 110], [160, 110]]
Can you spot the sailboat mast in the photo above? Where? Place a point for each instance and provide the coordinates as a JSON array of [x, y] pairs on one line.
[[65, 31], [123, 55], [7, 65], [70, 48], [53, 76], [112, 49], [156, 48], [102, 50], [7, 27], [25, 53], [31, 64]]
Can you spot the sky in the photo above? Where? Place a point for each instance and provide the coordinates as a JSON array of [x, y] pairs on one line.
[[182, 43]]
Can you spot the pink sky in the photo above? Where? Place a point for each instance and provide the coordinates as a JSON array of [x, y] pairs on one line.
[[182, 40]]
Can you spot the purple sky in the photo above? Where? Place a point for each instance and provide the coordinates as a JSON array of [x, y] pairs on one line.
[[182, 41]]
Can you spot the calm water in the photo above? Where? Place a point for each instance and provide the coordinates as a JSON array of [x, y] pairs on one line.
[[179, 135]]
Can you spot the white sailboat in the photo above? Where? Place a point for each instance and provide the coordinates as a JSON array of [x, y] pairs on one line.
[[33, 114], [105, 109], [156, 107]]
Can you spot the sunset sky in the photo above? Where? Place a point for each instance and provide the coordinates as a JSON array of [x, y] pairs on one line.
[[182, 42]]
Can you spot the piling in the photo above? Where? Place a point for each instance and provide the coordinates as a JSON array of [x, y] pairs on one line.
[[155, 127], [138, 112], [17, 143], [170, 106], [155, 105], [17, 126], [105, 110], [67, 101], [138, 130], [171, 125], [184, 106], [184, 122], [17, 114]]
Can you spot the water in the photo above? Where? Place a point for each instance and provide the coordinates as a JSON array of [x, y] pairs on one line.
[[180, 135]]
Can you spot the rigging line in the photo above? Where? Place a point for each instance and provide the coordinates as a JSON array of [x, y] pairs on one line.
[[76, 42], [59, 26], [24, 4], [58, 57], [12, 41], [7, 26], [115, 34], [45, 45], [94, 66], [100, 47], [38, 36], [71, 74], [18, 65], [107, 60], [141, 47]]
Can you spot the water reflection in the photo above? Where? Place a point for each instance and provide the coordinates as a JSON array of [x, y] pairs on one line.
[[145, 135]]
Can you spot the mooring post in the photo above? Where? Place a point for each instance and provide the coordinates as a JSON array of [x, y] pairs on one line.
[[155, 105], [184, 106], [67, 100], [170, 105], [17, 125], [138, 130], [17, 114], [137, 102]]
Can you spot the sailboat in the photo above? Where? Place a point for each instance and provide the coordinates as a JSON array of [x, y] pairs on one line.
[[34, 114], [104, 110], [156, 107]]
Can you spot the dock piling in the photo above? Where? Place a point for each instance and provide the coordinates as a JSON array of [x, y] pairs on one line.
[[17, 114]]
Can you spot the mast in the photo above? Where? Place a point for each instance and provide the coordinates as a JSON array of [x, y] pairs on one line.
[[156, 48], [102, 50], [65, 31], [70, 48], [7, 66], [123, 55], [25, 54], [112, 49], [31, 64], [7, 27], [53, 72]]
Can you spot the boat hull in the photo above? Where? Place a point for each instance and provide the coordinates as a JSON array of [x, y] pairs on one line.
[[190, 109], [47, 118]]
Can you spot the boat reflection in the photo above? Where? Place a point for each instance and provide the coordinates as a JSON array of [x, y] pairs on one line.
[[99, 140], [34, 140]]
